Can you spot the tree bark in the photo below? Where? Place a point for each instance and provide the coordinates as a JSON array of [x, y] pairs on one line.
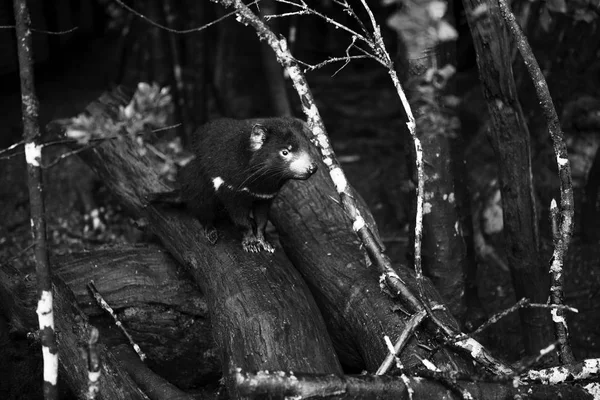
[[74, 330], [263, 315], [393, 388], [510, 138], [318, 238], [158, 303]]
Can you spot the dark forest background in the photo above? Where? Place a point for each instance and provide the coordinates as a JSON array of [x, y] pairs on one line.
[[225, 71]]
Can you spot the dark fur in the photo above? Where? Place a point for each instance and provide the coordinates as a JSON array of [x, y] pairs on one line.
[[223, 149]]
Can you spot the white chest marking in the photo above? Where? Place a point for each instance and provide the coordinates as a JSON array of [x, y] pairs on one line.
[[218, 182]]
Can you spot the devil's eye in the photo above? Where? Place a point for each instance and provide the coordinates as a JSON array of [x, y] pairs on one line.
[[285, 152]]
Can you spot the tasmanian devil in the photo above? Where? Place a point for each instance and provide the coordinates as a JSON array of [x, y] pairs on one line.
[[240, 166]]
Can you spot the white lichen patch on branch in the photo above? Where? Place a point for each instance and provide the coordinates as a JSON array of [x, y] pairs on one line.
[[50, 365], [322, 140], [562, 161], [46, 321], [560, 374], [592, 365], [339, 179], [556, 266], [33, 154], [593, 389], [45, 311], [358, 223], [429, 365], [94, 376], [558, 319], [472, 346]]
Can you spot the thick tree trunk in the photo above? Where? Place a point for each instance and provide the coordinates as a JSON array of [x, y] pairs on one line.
[[510, 138], [318, 238]]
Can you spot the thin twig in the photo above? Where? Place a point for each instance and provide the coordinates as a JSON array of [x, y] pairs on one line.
[[409, 329], [380, 50], [42, 30], [64, 156], [349, 10], [11, 147], [93, 364], [523, 303], [183, 31], [105, 306], [19, 254], [304, 6], [332, 60], [525, 364]]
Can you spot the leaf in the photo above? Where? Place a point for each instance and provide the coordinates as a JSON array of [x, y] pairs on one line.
[[559, 6], [437, 10]]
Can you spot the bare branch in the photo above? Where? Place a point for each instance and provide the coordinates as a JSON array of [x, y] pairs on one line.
[[305, 7], [410, 328], [33, 157], [183, 31], [106, 307]]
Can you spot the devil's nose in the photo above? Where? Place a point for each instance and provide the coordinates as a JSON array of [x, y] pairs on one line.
[[312, 168]]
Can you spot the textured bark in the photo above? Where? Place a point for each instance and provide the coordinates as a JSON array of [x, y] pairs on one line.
[[393, 387], [156, 387], [74, 330], [160, 306], [263, 315], [510, 138], [444, 251], [318, 238], [591, 203]]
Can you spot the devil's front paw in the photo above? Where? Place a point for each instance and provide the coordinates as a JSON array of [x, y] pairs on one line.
[[254, 244]]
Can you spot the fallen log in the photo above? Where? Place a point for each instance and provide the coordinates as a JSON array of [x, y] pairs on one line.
[[318, 237], [74, 332], [157, 302], [262, 312], [289, 385]]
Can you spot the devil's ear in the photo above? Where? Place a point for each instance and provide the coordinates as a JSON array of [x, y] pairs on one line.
[[257, 137]]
